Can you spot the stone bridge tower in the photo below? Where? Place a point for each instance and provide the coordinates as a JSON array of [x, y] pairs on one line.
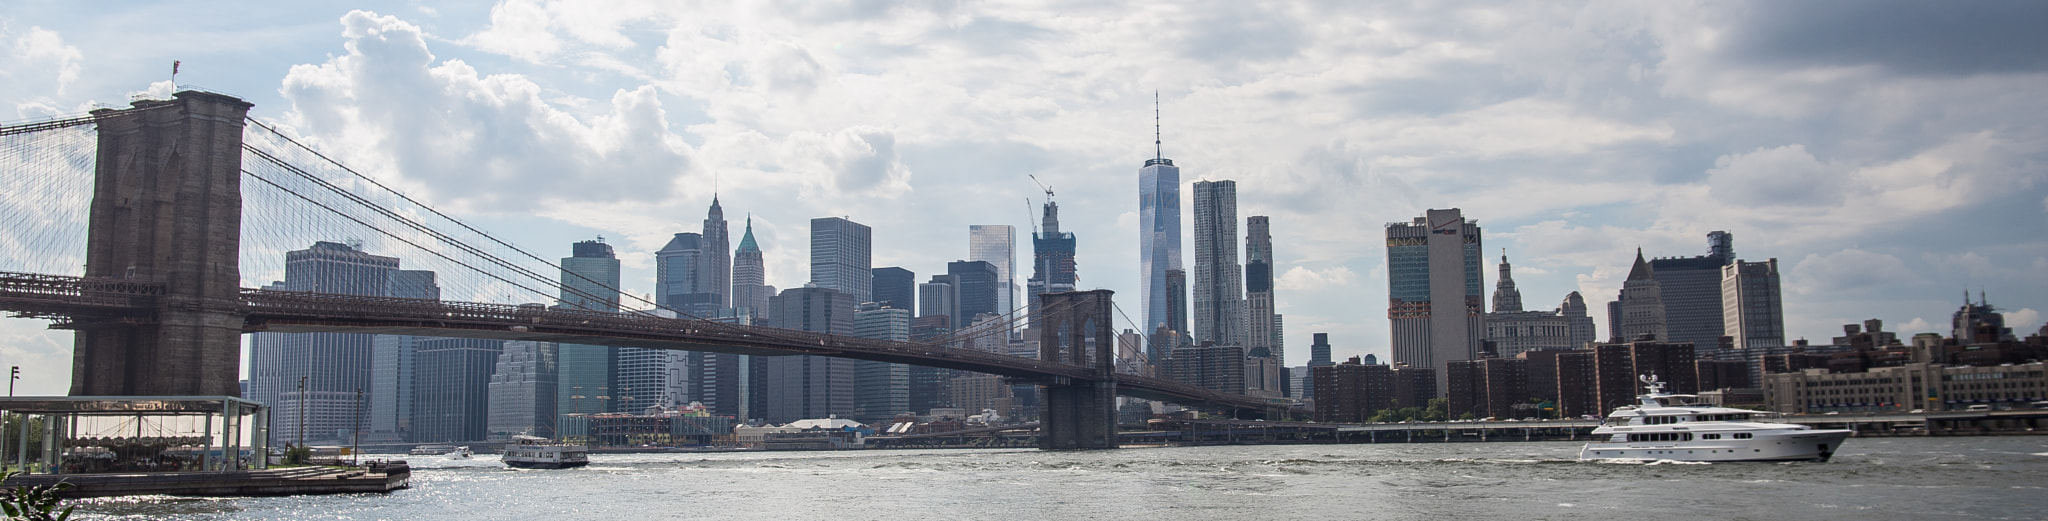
[[1078, 414], [167, 209]]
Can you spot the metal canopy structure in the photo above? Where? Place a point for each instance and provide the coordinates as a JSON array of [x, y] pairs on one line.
[[64, 449]]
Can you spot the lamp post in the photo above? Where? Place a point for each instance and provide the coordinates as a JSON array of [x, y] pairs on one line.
[[356, 451], [302, 412]]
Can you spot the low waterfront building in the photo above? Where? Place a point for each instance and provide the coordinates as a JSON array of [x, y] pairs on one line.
[[1917, 386]]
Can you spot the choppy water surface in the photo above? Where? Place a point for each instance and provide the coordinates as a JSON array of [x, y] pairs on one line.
[[1900, 478]]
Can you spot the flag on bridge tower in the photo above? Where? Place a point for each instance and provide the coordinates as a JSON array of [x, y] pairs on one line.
[[174, 71]]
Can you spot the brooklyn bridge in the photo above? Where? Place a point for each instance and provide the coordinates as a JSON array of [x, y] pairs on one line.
[[165, 191]]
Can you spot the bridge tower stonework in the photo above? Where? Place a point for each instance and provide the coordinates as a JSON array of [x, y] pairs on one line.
[[167, 209], [1078, 413]]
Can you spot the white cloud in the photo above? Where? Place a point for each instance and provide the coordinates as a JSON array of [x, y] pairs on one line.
[[41, 47], [1785, 175], [1301, 278], [2023, 322], [1850, 271]]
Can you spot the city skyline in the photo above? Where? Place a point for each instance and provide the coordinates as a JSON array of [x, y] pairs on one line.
[[1850, 204]]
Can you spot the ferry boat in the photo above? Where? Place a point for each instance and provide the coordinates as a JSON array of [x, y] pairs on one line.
[[533, 452], [1661, 427]]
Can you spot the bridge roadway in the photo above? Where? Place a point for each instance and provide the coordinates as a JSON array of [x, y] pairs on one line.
[[79, 302]]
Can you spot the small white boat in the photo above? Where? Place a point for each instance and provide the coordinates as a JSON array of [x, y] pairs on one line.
[[1661, 428], [533, 452], [434, 450], [461, 452]]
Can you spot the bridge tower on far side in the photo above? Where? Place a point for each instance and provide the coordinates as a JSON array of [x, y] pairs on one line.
[[1078, 414], [167, 209]]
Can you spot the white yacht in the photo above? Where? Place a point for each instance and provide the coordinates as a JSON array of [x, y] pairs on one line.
[[1662, 428], [534, 452]]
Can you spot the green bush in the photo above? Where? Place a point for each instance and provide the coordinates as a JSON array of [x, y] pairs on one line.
[[34, 502]]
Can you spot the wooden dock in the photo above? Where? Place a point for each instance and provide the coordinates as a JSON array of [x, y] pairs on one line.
[[271, 482]]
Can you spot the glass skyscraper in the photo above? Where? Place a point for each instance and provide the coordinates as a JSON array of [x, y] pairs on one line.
[[996, 244], [586, 373], [1159, 241], [1218, 283], [841, 256]]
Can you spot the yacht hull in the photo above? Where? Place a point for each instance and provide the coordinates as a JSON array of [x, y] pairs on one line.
[[545, 464], [1802, 445]]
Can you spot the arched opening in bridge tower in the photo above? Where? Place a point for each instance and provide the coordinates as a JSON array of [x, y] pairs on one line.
[[1089, 343]]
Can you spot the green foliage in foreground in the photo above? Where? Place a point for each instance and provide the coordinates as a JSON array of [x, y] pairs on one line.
[[35, 502]]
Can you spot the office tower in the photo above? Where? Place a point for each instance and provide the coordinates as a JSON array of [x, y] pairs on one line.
[[928, 385], [937, 298], [895, 287], [1751, 305], [1506, 298], [714, 271], [975, 289], [1174, 332], [750, 289], [841, 252], [1582, 328], [1319, 352], [791, 388], [1435, 288], [1263, 322], [1514, 331], [522, 391], [590, 277], [391, 365], [1690, 289], [587, 375], [1052, 260], [722, 381], [997, 244], [1159, 242], [675, 269], [451, 401], [1978, 323], [1218, 285], [351, 380], [1640, 307], [881, 389]]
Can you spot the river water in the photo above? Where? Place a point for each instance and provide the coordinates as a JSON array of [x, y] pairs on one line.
[[1870, 478]]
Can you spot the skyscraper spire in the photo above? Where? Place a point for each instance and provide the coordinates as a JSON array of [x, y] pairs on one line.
[[1158, 150]]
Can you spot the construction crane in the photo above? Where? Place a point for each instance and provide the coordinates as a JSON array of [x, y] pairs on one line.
[[1029, 218], [1041, 186]]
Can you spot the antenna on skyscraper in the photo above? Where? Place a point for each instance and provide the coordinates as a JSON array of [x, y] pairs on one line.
[[1158, 150]]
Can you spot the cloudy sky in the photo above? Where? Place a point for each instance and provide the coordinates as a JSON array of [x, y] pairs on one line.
[[1889, 154]]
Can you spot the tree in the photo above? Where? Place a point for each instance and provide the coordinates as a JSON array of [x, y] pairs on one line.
[[34, 502], [1439, 410]]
